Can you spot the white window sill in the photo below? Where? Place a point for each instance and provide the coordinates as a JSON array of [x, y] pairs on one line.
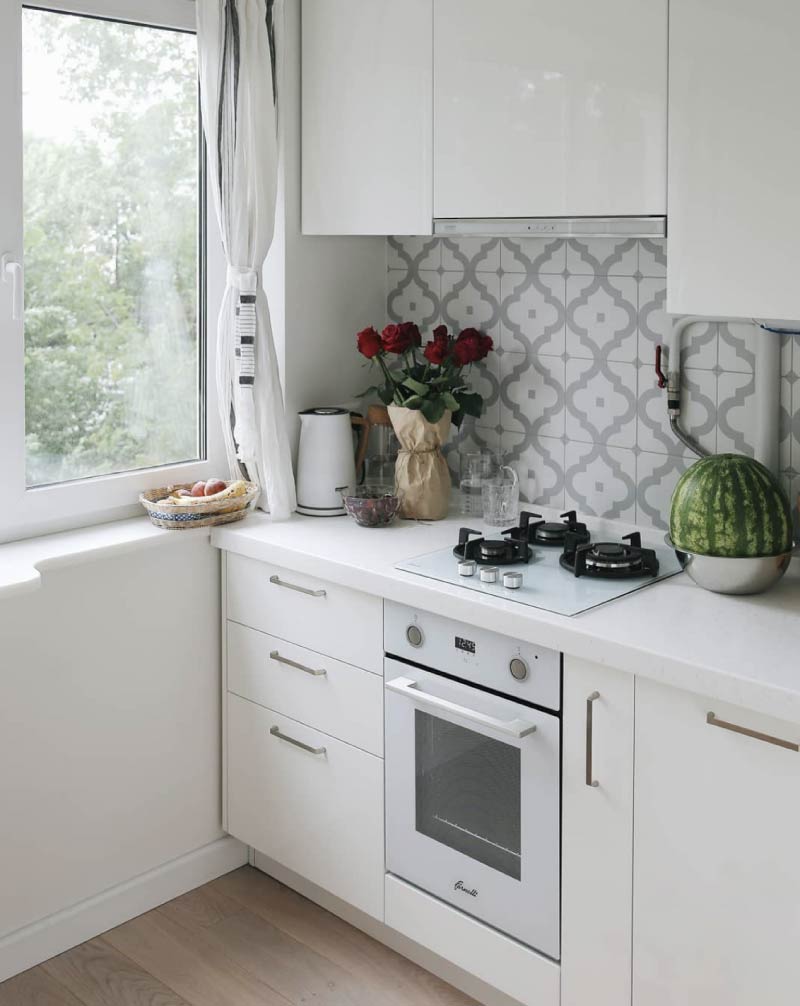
[[23, 562]]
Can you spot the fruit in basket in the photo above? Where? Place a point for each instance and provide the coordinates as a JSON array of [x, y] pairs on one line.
[[731, 506], [184, 492], [199, 489], [214, 486]]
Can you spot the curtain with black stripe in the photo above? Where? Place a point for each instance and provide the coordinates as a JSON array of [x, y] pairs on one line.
[[237, 59]]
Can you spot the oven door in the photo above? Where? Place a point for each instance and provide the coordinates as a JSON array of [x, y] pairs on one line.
[[473, 802]]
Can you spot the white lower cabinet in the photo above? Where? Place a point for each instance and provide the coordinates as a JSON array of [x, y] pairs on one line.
[[597, 827], [716, 865], [308, 801]]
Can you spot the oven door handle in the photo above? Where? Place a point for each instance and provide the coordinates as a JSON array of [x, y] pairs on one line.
[[412, 690]]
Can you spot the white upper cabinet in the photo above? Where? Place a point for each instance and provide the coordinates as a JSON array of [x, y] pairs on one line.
[[546, 108], [734, 186], [716, 871], [367, 108]]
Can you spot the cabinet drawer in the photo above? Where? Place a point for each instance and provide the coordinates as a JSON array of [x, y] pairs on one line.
[[324, 693], [321, 616], [319, 814]]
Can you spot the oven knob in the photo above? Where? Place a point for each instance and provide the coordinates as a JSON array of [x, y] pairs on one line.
[[414, 635], [512, 580], [467, 567], [518, 668], [489, 574]]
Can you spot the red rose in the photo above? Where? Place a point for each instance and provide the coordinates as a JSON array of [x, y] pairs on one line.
[[437, 350], [369, 342], [410, 331], [471, 346], [399, 338]]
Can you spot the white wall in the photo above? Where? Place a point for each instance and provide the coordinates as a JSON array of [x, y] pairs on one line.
[[109, 726], [321, 290]]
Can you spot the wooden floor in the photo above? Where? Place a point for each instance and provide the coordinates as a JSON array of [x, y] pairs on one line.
[[242, 940]]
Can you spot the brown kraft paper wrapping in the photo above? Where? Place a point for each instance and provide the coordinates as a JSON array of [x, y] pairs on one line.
[[421, 474]]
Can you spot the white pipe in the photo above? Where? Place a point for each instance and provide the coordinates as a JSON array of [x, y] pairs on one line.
[[766, 438]]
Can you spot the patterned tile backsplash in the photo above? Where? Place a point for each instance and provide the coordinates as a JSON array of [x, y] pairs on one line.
[[571, 395]]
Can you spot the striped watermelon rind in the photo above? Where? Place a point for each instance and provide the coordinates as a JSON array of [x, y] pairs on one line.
[[732, 506]]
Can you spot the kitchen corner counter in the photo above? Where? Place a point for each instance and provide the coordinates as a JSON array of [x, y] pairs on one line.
[[23, 562], [743, 650]]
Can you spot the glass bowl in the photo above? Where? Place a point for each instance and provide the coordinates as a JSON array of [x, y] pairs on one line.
[[372, 505]]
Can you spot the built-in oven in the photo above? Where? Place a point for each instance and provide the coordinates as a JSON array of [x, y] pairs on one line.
[[473, 771]]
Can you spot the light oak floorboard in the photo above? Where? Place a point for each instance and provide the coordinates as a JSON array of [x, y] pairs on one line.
[[291, 968], [101, 976], [36, 988], [242, 940], [190, 963], [394, 980]]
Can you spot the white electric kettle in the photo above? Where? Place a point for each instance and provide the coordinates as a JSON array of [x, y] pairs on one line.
[[326, 465]]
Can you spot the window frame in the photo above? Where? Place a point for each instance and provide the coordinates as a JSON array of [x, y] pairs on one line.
[[43, 509]]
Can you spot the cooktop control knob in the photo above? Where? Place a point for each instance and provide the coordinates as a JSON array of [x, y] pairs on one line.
[[414, 635], [467, 567], [512, 580], [489, 574], [518, 668]]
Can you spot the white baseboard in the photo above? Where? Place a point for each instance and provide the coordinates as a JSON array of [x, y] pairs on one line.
[[53, 935], [416, 952]]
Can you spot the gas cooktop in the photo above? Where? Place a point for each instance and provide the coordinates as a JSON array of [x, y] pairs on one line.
[[552, 565]]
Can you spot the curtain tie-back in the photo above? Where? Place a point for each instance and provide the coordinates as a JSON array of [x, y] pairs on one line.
[[243, 279]]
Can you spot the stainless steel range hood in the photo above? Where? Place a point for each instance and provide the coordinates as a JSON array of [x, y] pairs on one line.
[[557, 227]]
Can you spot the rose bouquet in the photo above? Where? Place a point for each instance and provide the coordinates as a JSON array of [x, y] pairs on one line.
[[434, 383]]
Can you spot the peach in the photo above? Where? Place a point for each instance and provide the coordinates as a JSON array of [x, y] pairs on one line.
[[198, 489], [214, 486]]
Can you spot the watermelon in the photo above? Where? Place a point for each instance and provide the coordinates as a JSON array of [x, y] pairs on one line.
[[730, 505]]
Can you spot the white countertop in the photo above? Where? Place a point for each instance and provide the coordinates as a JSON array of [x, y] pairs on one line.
[[743, 650]]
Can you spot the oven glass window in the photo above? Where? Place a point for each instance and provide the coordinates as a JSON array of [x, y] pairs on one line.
[[468, 792]]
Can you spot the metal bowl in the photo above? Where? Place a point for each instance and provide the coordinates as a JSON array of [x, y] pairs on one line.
[[733, 576]]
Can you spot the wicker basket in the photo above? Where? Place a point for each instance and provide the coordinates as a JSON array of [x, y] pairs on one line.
[[179, 517]]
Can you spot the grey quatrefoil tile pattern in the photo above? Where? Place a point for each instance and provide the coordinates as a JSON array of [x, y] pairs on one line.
[[571, 395]]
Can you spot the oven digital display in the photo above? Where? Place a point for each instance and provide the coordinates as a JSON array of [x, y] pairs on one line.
[[465, 645]]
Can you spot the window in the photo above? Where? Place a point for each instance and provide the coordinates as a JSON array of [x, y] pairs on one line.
[[105, 375]]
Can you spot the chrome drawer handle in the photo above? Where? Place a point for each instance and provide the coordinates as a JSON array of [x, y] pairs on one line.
[[276, 732], [590, 781], [274, 655], [712, 721], [293, 586]]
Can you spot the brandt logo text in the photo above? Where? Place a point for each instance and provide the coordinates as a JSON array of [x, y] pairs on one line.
[[459, 886]]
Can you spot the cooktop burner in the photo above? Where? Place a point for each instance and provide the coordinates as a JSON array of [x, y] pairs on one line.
[[554, 533], [609, 560], [490, 551]]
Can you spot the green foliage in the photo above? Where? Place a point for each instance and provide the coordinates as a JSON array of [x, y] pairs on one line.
[[111, 352]]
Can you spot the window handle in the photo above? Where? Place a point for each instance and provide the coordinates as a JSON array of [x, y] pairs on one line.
[[12, 273]]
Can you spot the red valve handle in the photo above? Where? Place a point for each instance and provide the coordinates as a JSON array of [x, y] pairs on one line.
[[662, 380]]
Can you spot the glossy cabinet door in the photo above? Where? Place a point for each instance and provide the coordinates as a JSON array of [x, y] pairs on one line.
[[550, 108], [734, 195], [716, 866], [367, 108], [597, 835]]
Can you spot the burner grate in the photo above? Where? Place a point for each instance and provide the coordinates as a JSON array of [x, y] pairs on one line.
[[609, 560]]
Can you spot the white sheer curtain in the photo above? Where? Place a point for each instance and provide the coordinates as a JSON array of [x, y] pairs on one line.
[[236, 59]]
